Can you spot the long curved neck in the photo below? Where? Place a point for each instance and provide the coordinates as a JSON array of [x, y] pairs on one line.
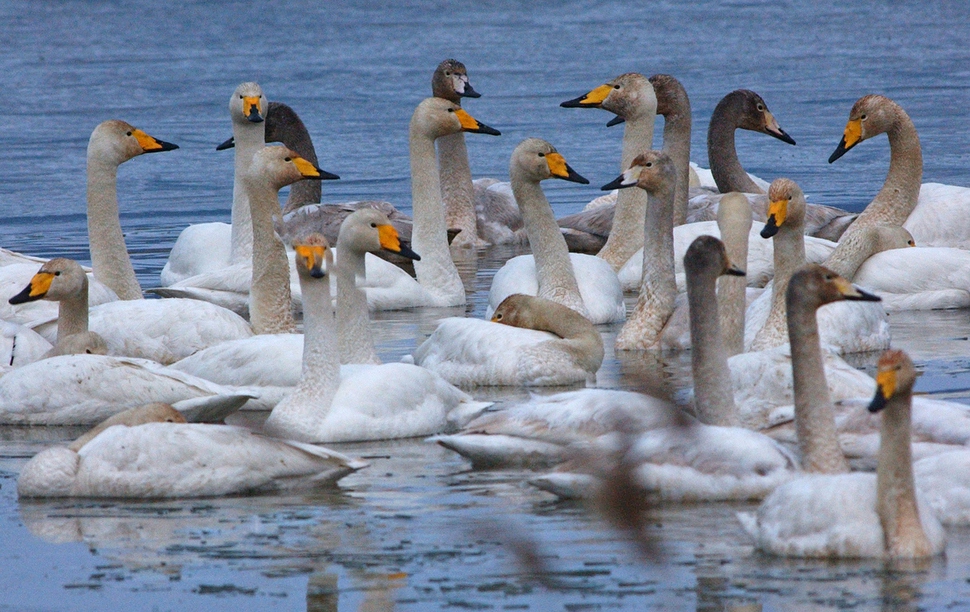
[[579, 337], [353, 325], [852, 251], [436, 271], [72, 313], [895, 488], [732, 290], [789, 255], [658, 284], [248, 140], [713, 392], [269, 296], [814, 415], [722, 153], [109, 255], [626, 235], [676, 144], [900, 193], [554, 269], [456, 188], [299, 414]]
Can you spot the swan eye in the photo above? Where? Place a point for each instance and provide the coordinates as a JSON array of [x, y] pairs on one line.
[[761, 108], [910, 243], [128, 134], [542, 154], [648, 165], [447, 73], [287, 159], [862, 118], [88, 351], [373, 225], [498, 317], [616, 87], [789, 198], [58, 273], [241, 96], [451, 110]]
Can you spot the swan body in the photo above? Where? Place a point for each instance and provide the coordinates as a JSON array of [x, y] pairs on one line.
[[20, 345], [172, 458], [550, 344]]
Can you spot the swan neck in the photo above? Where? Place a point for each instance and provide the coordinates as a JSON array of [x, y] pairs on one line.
[[436, 271], [814, 414], [626, 237], [713, 392], [72, 313], [900, 192], [109, 255], [269, 297], [676, 143], [722, 153], [353, 324], [579, 337], [249, 138], [851, 252], [457, 191], [732, 290], [789, 255]]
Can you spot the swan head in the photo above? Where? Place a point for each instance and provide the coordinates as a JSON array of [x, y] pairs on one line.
[[671, 95], [369, 231], [814, 286], [437, 117], [248, 104], [57, 279], [751, 113], [115, 142], [786, 207], [279, 167], [630, 96], [707, 257], [870, 116], [450, 81], [651, 171], [313, 256], [895, 376], [537, 160]]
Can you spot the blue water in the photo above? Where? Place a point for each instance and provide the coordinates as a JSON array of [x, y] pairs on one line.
[[410, 529]]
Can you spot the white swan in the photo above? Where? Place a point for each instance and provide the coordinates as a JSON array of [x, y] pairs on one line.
[[206, 247], [376, 402], [151, 452], [849, 328], [541, 343], [857, 515], [580, 282], [708, 461]]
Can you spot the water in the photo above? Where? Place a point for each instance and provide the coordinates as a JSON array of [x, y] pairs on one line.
[[417, 530]]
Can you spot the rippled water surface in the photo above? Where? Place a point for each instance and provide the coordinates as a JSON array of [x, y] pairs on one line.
[[418, 530]]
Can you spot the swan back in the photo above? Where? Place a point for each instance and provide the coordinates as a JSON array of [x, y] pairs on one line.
[[157, 412]]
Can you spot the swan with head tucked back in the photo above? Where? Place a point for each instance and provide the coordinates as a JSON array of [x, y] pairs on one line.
[[688, 461], [151, 452], [371, 402], [207, 247], [581, 282], [161, 330], [857, 515]]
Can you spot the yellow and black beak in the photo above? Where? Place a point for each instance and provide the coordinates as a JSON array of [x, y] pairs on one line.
[[38, 287], [309, 171], [312, 257], [851, 137], [885, 388], [777, 213], [560, 169], [592, 99], [470, 124], [251, 109], [390, 241], [853, 293], [150, 144]]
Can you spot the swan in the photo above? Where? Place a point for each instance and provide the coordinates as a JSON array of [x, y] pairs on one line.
[[848, 328], [541, 343], [734, 223], [707, 461], [151, 452], [207, 247], [877, 515], [161, 330], [632, 97], [581, 282], [377, 402]]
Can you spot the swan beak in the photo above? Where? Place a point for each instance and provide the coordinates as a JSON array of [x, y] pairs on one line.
[[733, 270], [312, 257], [227, 144], [773, 129], [615, 121], [470, 124], [150, 144], [592, 99], [851, 292], [38, 287], [390, 241], [885, 388], [777, 212], [627, 179], [468, 91], [851, 137], [251, 109], [309, 171], [560, 169]]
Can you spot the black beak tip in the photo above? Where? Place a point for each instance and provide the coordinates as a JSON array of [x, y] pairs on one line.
[[838, 152], [227, 144], [407, 252], [317, 273], [878, 402], [616, 183], [769, 230], [616, 121], [470, 93]]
